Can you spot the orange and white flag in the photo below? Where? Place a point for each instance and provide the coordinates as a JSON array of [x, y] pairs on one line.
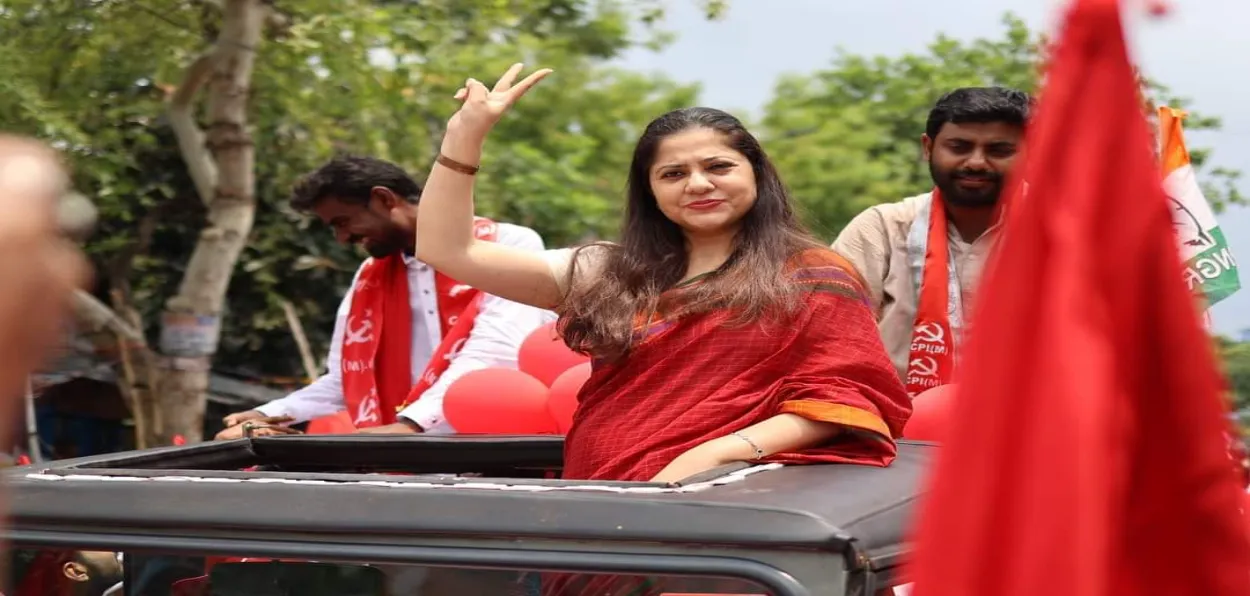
[[1210, 269]]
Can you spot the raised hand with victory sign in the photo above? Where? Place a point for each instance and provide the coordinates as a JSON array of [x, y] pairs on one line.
[[445, 238], [483, 107]]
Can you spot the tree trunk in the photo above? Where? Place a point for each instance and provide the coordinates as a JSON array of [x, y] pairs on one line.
[[139, 373], [221, 164]]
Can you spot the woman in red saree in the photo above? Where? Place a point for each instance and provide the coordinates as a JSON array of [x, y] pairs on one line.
[[672, 404], [721, 330]]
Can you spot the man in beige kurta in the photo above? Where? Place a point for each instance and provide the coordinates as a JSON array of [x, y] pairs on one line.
[[971, 141], [876, 243]]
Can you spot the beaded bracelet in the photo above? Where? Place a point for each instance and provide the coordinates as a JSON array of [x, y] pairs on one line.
[[759, 453]]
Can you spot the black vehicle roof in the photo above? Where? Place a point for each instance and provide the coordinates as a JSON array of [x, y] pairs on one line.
[[335, 486]]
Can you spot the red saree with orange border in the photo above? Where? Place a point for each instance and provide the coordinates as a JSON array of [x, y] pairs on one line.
[[692, 380], [695, 379]]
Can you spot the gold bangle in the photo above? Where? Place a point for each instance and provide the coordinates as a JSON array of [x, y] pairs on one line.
[[456, 166]]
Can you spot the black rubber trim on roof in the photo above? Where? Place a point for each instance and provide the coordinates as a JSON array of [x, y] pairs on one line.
[[211, 455], [778, 582], [500, 456], [349, 478], [495, 455]]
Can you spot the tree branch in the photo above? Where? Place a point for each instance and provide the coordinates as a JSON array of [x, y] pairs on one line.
[[191, 139], [301, 341], [95, 316]]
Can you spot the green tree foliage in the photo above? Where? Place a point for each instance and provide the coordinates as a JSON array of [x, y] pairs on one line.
[[848, 137], [376, 77], [333, 76], [1236, 360]]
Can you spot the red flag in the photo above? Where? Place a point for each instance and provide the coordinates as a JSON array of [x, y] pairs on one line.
[[1086, 454]]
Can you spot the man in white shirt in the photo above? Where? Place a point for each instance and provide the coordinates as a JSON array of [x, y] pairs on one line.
[[450, 328]]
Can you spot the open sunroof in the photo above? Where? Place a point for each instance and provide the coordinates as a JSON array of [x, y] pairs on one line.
[[518, 462]]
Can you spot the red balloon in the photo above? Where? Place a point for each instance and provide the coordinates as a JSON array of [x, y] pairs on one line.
[[500, 401], [930, 415], [334, 424], [545, 356], [562, 399]]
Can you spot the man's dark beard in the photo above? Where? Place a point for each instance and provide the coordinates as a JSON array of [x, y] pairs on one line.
[[379, 251], [959, 197], [384, 247]]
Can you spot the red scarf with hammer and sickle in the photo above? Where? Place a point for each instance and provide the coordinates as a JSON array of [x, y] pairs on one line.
[[932, 359], [377, 339]]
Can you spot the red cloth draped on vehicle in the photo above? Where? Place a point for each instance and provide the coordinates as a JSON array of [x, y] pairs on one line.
[[1087, 453]]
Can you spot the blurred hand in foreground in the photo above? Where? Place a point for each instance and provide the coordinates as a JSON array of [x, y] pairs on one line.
[[39, 267]]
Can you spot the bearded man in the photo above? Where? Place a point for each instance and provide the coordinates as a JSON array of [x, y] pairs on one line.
[[922, 257], [404, 331]]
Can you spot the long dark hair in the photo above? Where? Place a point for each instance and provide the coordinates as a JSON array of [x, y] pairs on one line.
[[599, 313]]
